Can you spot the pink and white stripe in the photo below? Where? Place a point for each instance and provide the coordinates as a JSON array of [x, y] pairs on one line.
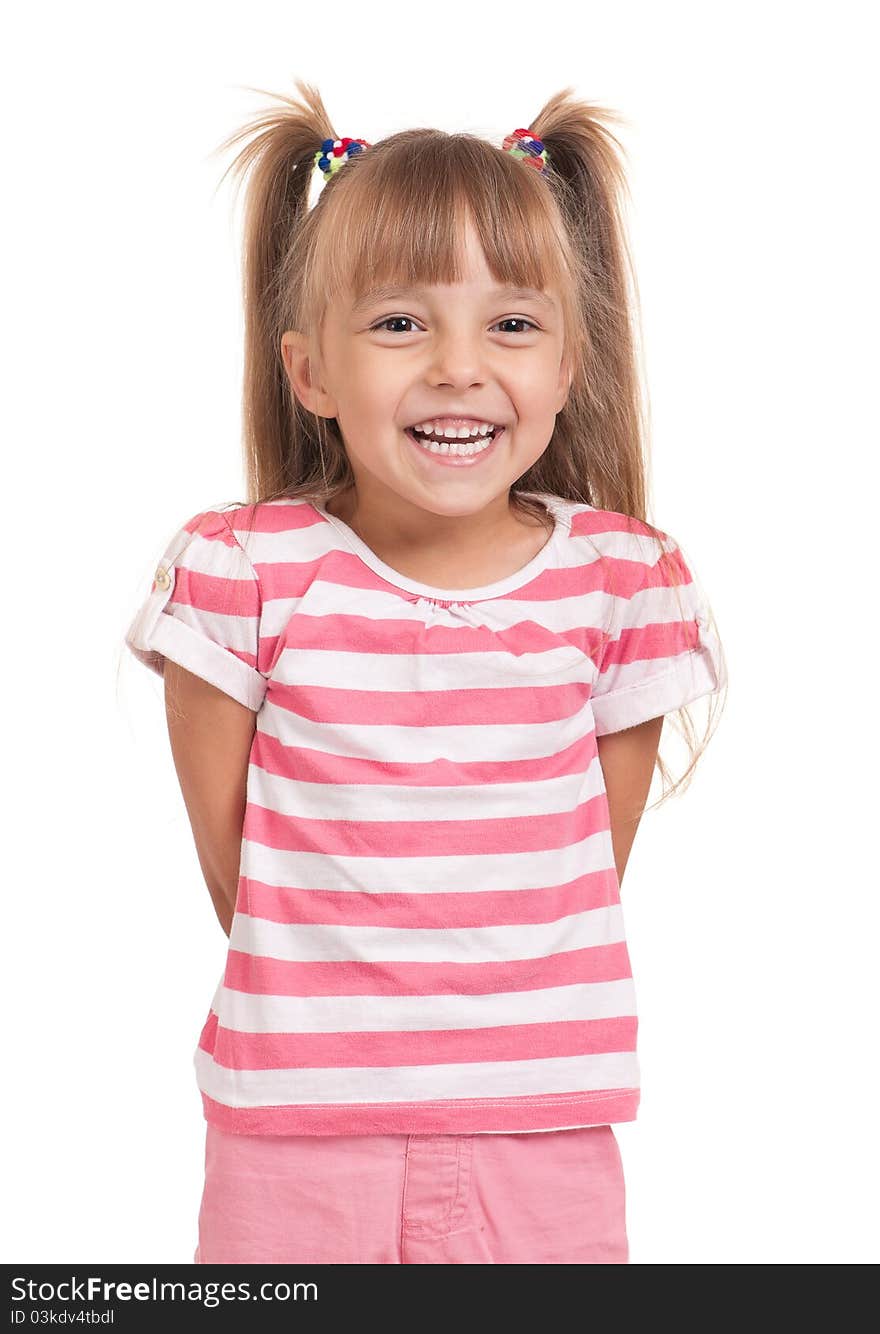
[[428, 935]]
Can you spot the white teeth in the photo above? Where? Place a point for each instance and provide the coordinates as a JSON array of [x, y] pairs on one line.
[[462, 448], [455, 432]]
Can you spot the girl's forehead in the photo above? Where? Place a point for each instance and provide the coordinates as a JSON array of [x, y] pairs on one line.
[[457, 262], [479, 289]]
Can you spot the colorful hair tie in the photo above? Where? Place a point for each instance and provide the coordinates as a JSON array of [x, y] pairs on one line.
[[522, 144], [334, 153]]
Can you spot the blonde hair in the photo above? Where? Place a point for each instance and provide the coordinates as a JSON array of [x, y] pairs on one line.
[[395, 211]]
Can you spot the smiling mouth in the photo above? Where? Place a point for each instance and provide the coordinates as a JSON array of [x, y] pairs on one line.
[[452, 448]]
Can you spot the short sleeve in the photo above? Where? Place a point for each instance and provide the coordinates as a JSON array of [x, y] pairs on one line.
[[662, 651], [203, 610]]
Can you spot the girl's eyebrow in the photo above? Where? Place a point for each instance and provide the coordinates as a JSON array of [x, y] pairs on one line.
[[380, 294]]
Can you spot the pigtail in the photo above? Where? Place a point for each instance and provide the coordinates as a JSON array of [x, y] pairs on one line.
[[278, 160], [588, 177]]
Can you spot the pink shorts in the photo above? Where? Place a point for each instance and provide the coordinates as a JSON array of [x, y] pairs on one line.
[[551, 1197]]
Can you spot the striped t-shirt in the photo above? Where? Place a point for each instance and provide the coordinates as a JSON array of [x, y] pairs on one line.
[[428, 934]]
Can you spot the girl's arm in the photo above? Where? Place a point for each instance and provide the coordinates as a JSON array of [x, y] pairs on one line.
[[211, 736], [628, 758]]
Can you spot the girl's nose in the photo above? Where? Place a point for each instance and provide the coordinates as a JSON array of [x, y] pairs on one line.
[[459, 360]]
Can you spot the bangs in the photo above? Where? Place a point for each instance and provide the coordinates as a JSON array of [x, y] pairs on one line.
[[396, 217]]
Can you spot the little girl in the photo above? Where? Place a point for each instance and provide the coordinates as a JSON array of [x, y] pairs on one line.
[[415, 688]]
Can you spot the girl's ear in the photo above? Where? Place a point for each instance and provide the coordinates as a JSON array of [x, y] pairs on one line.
[[566, 376], [307, 387]]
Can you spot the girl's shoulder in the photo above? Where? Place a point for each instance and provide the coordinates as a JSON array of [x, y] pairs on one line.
[[611, 534], [268, 530], [622, 556]]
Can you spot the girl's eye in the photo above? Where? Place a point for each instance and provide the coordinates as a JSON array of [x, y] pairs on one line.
[[407, 319], [392, 319], [517, 319]]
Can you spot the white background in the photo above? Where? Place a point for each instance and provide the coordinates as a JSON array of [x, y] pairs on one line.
[[751, 902]]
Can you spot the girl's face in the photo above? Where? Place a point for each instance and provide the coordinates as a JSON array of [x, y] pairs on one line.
[[467, 350]]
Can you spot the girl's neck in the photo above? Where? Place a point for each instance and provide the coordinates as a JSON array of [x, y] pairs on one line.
[[487, 558]]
